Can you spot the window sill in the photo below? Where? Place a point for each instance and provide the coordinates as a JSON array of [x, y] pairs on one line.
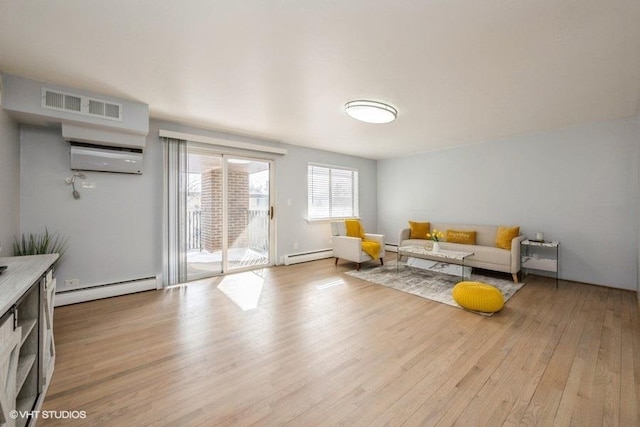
[[326, 220]]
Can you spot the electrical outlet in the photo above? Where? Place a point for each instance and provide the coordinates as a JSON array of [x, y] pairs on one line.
[[72, 282], [295, 245], [330, 241]]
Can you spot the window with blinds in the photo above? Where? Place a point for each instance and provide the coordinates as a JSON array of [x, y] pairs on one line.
[[332, 192]]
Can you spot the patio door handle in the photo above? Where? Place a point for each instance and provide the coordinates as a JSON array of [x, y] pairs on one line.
[[271, 213]]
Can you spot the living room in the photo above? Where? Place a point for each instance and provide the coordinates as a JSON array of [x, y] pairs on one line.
[[532, 121]]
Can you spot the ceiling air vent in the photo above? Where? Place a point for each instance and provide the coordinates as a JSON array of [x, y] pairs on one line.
[[63, 101]]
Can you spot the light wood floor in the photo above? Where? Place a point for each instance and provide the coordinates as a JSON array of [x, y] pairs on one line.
[[323, 348]]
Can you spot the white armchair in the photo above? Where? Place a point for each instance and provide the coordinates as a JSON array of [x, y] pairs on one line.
[[350, 248]]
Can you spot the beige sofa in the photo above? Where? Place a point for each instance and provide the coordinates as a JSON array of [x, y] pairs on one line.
[[485, 253]]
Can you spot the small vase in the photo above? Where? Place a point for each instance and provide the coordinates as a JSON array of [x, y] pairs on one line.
[[435, 247]]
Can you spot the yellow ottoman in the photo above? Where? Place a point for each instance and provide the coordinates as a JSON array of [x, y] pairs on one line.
[[478, 296]]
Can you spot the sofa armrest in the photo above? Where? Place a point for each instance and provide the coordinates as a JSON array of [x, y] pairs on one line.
[[347, 247], [377, 238], [515, 253], [405, 233]]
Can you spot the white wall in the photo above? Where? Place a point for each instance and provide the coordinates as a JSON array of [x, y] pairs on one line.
[[9, 183], [292, 185], [578, 186], [113, 230]]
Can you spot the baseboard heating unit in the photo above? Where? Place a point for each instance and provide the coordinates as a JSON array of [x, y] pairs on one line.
[[307, 256], [74, 296], [390, 247]]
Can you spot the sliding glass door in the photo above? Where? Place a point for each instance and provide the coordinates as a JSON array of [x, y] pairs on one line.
[[228, 213]]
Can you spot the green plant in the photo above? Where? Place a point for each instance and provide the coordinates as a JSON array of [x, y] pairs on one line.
[[40, 243]]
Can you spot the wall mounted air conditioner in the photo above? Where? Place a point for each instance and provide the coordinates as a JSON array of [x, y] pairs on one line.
[[88, 157]]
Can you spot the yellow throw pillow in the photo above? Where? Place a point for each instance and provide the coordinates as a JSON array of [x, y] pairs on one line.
[[419, 230], [505, 235], [461, 236]]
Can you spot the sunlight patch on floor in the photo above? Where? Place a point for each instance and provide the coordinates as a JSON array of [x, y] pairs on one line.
[[330, 284], [243, 289]]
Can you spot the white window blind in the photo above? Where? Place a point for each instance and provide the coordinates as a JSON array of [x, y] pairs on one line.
[[332, 192]]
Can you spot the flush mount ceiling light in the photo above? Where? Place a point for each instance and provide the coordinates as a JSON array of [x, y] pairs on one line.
[[371, 111]]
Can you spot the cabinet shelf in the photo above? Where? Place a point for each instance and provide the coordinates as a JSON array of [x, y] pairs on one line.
[[27, 326], [544, 264], [25, 363]]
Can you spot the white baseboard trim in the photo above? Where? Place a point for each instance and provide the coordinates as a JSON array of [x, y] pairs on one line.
[[390, 247], [106, 291], [307, 256]]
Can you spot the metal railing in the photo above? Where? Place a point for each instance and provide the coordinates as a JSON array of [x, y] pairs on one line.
[[194, 230], [256, 230]]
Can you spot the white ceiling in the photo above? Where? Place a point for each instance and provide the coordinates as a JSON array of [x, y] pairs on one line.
[[458, 71]]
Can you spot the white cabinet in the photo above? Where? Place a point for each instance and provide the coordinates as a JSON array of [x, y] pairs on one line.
[[10, 338], [27, 351], [26, 312], [48, 348]]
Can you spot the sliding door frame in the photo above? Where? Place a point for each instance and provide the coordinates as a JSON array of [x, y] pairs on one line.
[[238, 154]]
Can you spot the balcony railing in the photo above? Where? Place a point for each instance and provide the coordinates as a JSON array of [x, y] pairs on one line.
[[256, 230], [194, 230]]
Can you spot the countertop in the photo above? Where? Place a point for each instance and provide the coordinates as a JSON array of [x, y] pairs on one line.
[[22, 272]]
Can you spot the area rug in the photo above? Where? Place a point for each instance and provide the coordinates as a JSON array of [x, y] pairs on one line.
[[427, 284]]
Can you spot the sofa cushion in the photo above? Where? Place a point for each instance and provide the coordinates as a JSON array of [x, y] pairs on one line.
[[466, 237], [505, 235], [416, 242], [419, 230], [487, 254]]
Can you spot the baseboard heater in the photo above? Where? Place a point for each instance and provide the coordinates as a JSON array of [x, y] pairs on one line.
[[105, 291], [390, 247], [307, 256]]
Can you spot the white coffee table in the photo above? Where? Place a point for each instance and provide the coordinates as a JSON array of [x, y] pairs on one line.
[[453, 259]]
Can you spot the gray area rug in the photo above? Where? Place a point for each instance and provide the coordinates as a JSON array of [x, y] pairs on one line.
[[427, 284]]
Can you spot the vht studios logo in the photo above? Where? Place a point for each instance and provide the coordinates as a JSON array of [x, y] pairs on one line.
[[58, 415]]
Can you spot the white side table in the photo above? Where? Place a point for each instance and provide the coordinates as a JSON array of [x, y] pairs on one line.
[[543, 256]]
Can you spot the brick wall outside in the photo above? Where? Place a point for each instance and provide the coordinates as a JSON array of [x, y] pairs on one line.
[[238, 197]]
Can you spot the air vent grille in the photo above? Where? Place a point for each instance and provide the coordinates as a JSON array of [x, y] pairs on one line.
[[62, 101], [112, 110], [53, 100], [96, 107], [72, 103]]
